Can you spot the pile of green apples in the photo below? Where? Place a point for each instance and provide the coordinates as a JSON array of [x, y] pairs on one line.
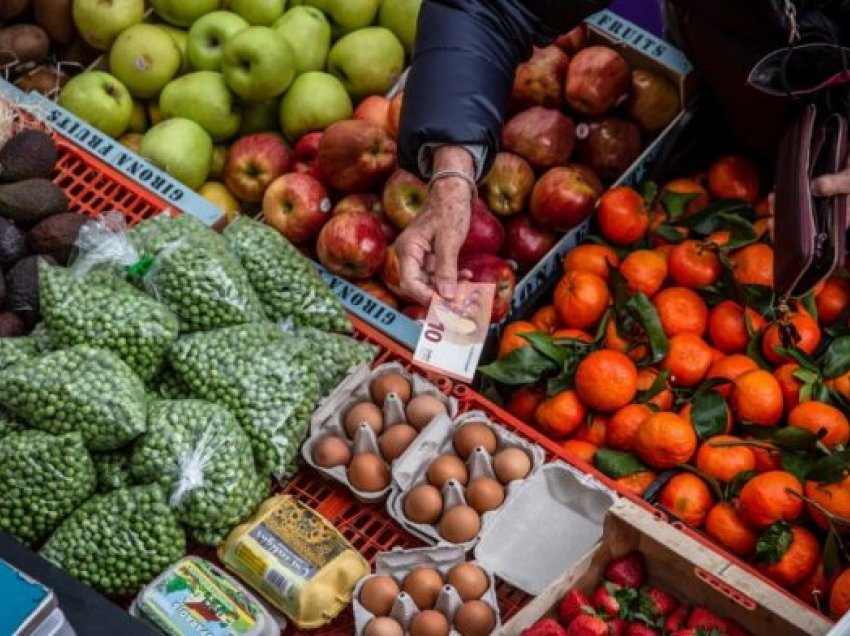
[[180, 82]]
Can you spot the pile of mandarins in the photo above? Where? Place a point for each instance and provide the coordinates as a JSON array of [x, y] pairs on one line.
[[665, 361]]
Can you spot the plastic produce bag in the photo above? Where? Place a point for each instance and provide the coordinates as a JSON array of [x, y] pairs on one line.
[[112, 470], [43, 478], [286, 282], [8, 424], [334, 355], [16, 350], [78, 389], [119, 541], [269, 383], [197, 452], [153, 234], [168, 385], [255, 494]]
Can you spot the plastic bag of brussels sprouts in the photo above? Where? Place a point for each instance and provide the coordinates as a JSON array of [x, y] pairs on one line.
[[152, 235], [78, 389], [8, 424], [43, 478], [15, 350], [119, 541], [168, 385], [197, 452], [285, 280], [255, 493], [334, 355], [112, 470]]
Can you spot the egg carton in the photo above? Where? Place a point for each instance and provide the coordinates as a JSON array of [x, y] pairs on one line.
[[398, 563], [410, 471], [328, 420]]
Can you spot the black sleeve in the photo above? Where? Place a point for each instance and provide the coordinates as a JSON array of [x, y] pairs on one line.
[[463, 67]]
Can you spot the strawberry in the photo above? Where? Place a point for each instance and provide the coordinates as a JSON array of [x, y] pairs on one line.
[[641, 629], [571, 606], [546, 627], [704, 618], [656, 602], [604, 601], [629, 570], [688, 631], [587, 625], [617, 627], [677, 619]]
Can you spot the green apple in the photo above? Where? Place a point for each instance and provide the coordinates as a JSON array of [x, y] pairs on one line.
[[258, 63], [207, 37], [349, 15], [321, 5], [181, 37], [139, 118], [183, 13], [368, 61], [181, 148], [204, 98], [313, 102], [308, 34], [257, 117], [100, 21], [99, 99], [401, 17], [145, 58], [259, 12]]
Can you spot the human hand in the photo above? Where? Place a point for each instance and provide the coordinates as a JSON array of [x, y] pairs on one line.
[[832, 184]]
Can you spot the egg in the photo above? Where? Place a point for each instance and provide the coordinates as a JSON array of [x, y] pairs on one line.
[[422, 409], [460, 524], [472, 435], [395, 440], [484, 494], [447, 467], [511, 464], [331, 451], [383, 626], [423, 585], [423, 504], [388, 383], [363, 412], [429, 623], [368, 472], [475, 618], [469, 580], [378, 595]]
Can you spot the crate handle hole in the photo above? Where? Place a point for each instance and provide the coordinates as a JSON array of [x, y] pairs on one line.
[[725, 589]]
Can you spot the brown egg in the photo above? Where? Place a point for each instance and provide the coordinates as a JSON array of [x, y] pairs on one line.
[[485, 494], [423, 504], [396, 440], [469, 580], [368, 472], [447, 467], [511, 464], [383, 626], [475, 618], [388, 383], [429, 623], [331, 451], [378, 595], [363, 412], [422, 409], [423, 585], [460, 524], [472, 435]]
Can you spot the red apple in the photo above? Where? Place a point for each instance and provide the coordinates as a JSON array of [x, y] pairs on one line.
[[487, 268], [573, 40], [486, 235], [375, 109], [540, 80], [379, 292], [297, 205], [395, 114], [305, 153], [352, 245], [598, 79], [609, 146], [253, 162], [508, 185], [564, 197], [355, 156], [526, 244], [404, 197], [370, 203], [543, 136], [416, 312], [653, 102]]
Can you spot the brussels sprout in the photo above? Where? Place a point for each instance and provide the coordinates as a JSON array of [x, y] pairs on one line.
[[43, 478], [119, 541], [112, 470], [78, 389], [15, 350]]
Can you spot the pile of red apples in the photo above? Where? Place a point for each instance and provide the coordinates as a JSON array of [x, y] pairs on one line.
[[578, 116]]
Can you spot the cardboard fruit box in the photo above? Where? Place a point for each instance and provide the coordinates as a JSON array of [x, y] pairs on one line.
[[683, 567]]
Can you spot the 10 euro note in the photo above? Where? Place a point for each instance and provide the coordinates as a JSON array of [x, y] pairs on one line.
[[455, 330]]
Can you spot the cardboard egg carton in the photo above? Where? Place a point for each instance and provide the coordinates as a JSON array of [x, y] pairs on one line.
[[399, 563]]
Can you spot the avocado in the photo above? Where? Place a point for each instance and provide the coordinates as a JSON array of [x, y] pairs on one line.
[[22, 288], [30, 154], [55, 236], [28, 202], [13, 244], [11, 325]]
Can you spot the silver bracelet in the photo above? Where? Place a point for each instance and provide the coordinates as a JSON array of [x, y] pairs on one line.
[[460, 174]]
